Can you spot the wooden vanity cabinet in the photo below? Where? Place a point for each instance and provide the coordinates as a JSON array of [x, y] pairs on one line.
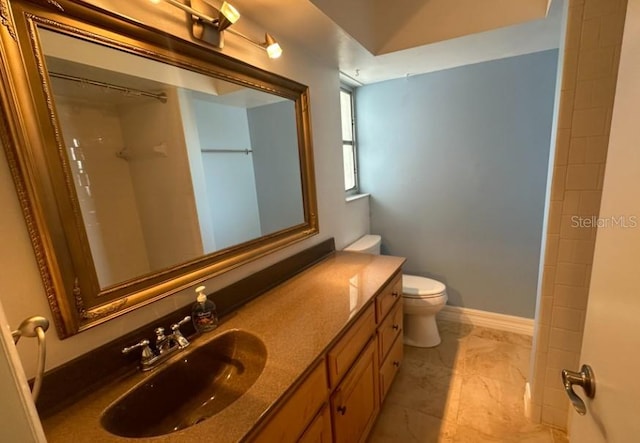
[[290, 421], [388, 297], [389, 334], [319, 431], [342, 355], [353, 377], [389, 330], [340, 399], [355, 403], [389, 368]]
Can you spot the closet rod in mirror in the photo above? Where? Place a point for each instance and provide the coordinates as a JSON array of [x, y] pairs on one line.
[[162, 97], [232, 151]]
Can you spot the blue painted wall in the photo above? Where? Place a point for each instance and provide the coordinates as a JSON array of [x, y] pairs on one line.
[[274, 138], [229, 177], [456, 163]]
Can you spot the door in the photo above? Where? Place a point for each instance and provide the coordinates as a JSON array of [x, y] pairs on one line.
[[355, 403], [611, 344], [319, 431], [19, 420]]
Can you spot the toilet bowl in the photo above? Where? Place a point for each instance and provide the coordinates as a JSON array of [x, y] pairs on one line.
[[422, 299]]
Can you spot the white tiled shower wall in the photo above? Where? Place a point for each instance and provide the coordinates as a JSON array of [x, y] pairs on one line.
[[592, 54]]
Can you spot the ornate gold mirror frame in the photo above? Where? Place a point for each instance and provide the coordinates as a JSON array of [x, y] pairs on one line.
[[38, 161]]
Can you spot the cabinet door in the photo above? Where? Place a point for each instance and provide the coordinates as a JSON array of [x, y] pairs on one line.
[[355, 404], [319, 431], [290, 420], [341, 357]]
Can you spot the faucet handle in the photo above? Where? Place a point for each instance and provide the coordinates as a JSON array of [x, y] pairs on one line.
[[146, 350], [177, 335], [176, 326]]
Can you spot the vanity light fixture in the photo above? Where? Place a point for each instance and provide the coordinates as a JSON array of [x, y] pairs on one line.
[[270, 44], [209, 23], [227, 14]]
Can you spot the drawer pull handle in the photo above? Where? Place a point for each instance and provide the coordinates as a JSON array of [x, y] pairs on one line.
[[342, 410], [396, 363], [395, 327], [395, 294]]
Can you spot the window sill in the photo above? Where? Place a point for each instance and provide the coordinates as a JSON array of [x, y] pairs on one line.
[[354, 197]]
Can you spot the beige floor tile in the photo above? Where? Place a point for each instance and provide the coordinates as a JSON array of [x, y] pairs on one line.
[[490, 406], [526, 434], [458, 330], [397, 424], [468, 389], [432, 390], [502, 336], [559, 436], [502, 361], [447, 354]]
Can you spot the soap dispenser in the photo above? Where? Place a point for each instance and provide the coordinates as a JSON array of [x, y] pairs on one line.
[[205, 316]]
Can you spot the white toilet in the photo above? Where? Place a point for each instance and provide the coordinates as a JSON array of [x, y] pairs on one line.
[[422, 299]]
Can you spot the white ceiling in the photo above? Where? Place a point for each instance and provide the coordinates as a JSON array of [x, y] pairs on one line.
[[301, 24], [383, 27]]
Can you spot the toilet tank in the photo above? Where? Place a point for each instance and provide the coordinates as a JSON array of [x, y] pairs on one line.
[[368, 244]]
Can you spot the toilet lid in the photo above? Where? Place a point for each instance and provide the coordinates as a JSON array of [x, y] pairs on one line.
[[422, 287]]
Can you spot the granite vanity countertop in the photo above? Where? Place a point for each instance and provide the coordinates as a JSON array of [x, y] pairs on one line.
[[297, 321]]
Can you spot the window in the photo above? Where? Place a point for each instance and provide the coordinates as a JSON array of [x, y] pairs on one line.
[[349, 153]]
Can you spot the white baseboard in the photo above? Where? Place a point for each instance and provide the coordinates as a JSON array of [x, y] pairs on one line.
[[509, 323]]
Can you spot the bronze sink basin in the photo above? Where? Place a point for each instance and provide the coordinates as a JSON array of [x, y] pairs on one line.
[[200, 384]]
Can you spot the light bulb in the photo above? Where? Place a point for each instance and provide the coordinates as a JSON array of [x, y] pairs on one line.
[[229, 12], [274, 50]]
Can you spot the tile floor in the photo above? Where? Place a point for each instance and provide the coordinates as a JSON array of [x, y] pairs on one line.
[[468, 389]]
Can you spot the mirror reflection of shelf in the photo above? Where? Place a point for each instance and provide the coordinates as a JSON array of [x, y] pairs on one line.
[[159, 150]]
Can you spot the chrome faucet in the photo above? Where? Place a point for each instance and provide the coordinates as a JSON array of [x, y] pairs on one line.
[[163, 343], [165, 346]]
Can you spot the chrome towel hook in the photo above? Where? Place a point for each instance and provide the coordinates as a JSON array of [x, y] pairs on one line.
[[35, 326]]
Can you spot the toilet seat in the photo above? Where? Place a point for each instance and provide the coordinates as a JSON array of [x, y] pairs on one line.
[[422, 299], [414, 286]]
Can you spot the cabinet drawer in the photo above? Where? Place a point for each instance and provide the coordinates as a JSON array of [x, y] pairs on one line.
[[356, 402], [319, 431], [390, 367], [390, 328], [389, 295], [344, 353], [291, 419]]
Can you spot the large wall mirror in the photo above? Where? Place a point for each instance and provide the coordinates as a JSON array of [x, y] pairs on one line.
[[144, 163]]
